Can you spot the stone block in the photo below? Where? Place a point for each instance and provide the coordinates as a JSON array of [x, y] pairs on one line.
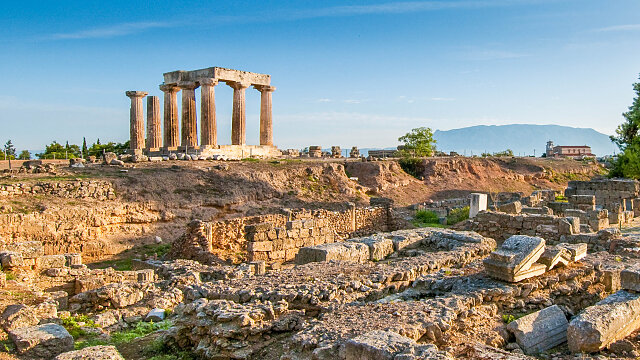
[[608, 321], [376, 345], [611, 279], [401, 242], [155, 315], [630, 278], [50, 261], [260, 246], [511, 208], [541, 330], [11, 259], [478, 202], [379, 248], [517, 253], [18, 316], [577, 251], [260, 267], [290, 254], [100, 352], [346, 251], [73, 259], [145, 275], [42, 341], [261, 227], [28, 249], [554, 256], [295, 224]]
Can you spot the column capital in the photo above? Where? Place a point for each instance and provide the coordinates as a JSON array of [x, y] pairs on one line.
[[267, 88], [208, 82], [238, 85], [169, 88], [140, 94], [187, 85]]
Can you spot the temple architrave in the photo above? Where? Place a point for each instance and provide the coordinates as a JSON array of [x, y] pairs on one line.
[[182, 136]]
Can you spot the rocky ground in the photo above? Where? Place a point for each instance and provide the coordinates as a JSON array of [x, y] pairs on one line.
[[429, 298]]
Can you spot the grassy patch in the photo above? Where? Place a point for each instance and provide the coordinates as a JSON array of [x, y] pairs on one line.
[[140, 329], [117, 264], [426, 218], [10, 275], [75, 324], [507, 318], [561, 198], [457, 215], [152, 249], [159, 350]]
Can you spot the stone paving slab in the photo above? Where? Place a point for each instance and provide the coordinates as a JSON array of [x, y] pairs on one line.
[[42, 341], [346, 251], [630, 278]]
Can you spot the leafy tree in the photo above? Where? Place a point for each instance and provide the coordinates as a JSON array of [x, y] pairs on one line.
[[97, 149], [628, 140], [24, 155], [419, 142], [57, 151], [9, 151]]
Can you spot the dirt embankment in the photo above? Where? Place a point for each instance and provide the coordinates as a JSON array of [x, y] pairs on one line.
[[160, 199]]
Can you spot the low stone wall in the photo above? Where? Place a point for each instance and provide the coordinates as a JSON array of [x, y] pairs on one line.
[[76, 189], [607, 192], [276, 237], [501, 226]]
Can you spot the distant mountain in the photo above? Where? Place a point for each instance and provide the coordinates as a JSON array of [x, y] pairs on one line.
[[521, 138]]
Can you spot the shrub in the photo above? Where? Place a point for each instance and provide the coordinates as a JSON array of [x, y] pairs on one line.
[[412, 166], [427, 217], [457, 215]]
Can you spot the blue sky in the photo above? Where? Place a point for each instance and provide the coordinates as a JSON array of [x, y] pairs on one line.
[[348, 72]]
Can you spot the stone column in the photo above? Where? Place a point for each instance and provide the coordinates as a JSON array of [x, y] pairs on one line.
[[136, 118], [239, 117], [189, 119], [266, 122], [208, 127], [154, 131], [171, 127]]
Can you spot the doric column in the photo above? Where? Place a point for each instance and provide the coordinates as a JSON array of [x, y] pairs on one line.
[[189, 119], [208, 127], [136, 118], [171, 127], [154, 131], [266, 120], [239, 117]]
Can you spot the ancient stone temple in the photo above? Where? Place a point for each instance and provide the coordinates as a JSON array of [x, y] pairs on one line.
[[181, 135]]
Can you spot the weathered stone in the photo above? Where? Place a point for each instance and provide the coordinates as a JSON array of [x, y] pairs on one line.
[[145, 275], [541, 330], [347, 251], [511, 208], [50, 261], [478, 203], [554, 255], [630, 278], [155, 315], [10, 259], [376, 345], [607, 321], [260, 267], [18, 316], [379, 248], [515, 259], [100, 352], [42, 341], [577, 251], [73, 259]]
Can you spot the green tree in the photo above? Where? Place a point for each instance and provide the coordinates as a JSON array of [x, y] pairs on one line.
[[24, 155], [419, 142], [628, 140], [97, 149], [9, 151], [57, 151], [84, 147]]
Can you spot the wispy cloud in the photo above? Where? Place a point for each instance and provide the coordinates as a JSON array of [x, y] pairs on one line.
[[406, 7], [110, 31], [628, 27], [324, 100]]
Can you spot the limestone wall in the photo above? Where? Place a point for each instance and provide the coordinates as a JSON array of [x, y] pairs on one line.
[[607, 192], [501, 226], [276, 237], [77, 189]]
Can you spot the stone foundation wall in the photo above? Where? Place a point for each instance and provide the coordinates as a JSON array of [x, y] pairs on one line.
[[501, 226], [100, 190], [276, 237], [607, 192]]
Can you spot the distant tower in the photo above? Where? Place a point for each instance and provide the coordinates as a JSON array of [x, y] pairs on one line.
[[549, 148]]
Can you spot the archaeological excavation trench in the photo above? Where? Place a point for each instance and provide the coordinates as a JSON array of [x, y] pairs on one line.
[[543, 274]]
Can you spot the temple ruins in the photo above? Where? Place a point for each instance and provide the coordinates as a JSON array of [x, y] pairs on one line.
[[173, 136]]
